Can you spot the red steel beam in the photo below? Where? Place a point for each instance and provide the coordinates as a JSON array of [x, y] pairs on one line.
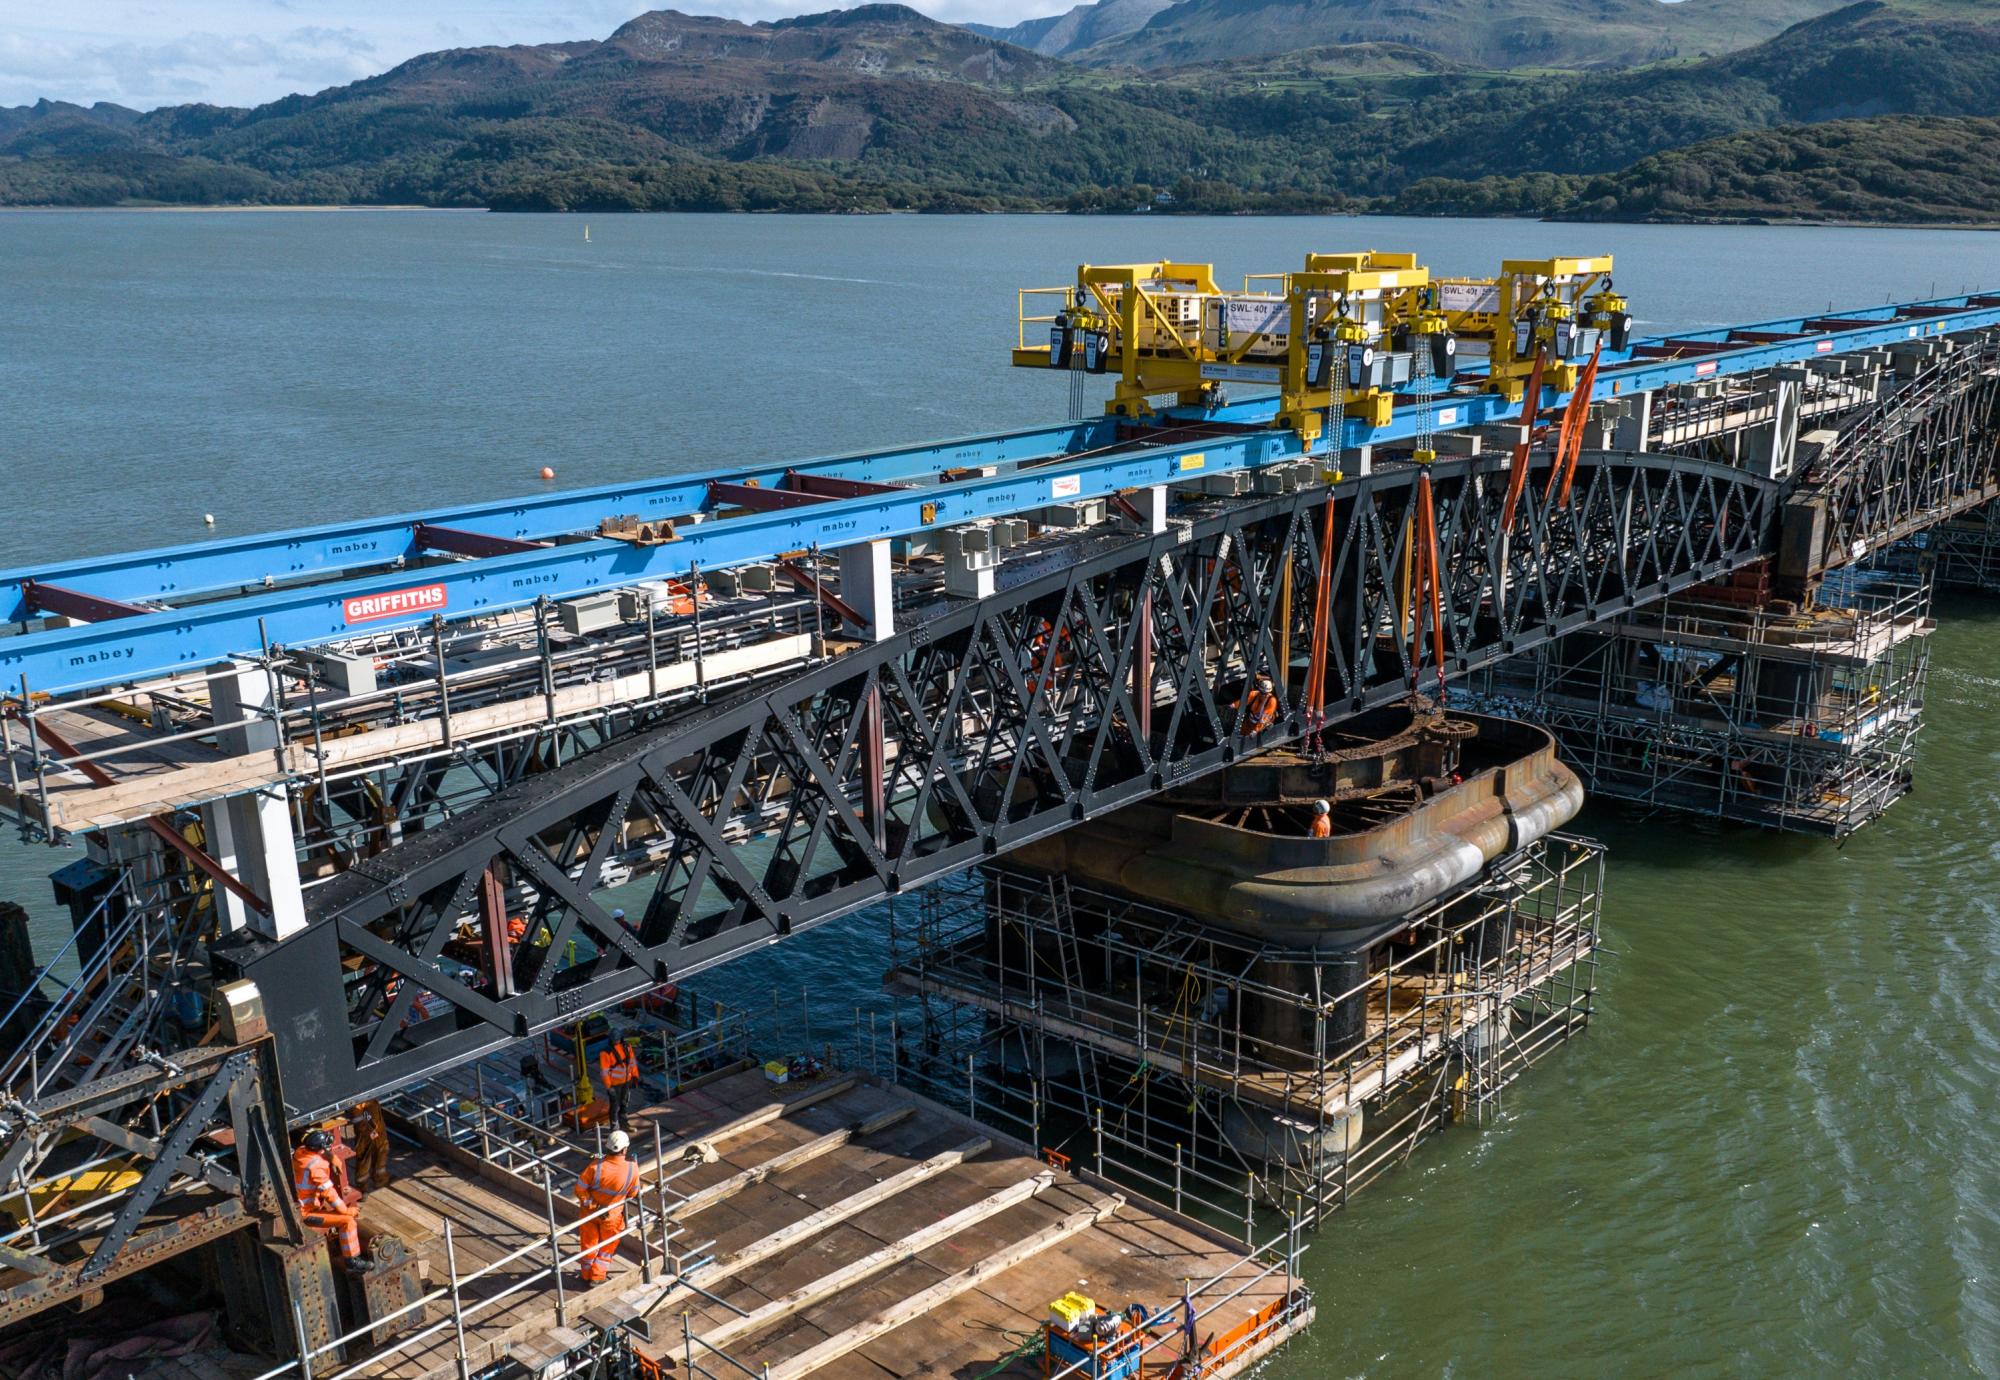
[[1674, 349], [829, 486], [74, 603], [759, 499], [462, 543], [166, 832], [804, 580], [1766, 337], [1822, 324]]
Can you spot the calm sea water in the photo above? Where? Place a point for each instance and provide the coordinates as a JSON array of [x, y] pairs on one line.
[[1773, 1154]]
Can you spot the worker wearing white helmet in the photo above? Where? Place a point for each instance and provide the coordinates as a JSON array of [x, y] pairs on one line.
[[606, 1182], [1322, 825]]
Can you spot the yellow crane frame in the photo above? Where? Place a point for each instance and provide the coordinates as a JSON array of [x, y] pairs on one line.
[[1172, 329], [1491, 310]]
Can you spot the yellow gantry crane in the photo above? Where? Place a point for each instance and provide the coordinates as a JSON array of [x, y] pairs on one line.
[[1345, 336]]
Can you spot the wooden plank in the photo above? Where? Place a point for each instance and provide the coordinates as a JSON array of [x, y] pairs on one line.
[[875, 1262], [751, 1120], [783, 1160], [788, 1238], [918, 1305]]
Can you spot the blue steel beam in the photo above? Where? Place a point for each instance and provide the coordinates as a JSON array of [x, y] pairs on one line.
[[80, 658], [183, 572]]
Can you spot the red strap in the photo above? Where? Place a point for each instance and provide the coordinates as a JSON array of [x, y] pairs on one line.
[[1584, 389], [1517, 477], [1322, 609]]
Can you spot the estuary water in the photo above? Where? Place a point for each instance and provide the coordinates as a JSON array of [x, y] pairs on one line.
[[1773, 1154]]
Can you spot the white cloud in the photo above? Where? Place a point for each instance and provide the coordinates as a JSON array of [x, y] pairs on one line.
[[145, 53], [225, 69]]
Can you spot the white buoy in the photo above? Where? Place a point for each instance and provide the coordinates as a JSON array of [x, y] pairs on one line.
[[208, 519]]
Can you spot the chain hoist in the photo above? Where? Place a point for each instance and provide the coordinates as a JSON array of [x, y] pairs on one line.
[[1079, 341]]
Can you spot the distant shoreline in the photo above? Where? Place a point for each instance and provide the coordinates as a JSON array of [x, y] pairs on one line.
[[1775, 223], [250, 210]]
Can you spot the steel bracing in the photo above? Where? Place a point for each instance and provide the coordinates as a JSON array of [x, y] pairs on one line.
[[160, 1116], [833, 776], [1057, 700], [1923, 454]]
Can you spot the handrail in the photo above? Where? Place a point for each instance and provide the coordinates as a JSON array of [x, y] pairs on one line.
[[26, 1053]]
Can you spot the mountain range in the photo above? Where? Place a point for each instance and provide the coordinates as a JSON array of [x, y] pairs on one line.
[[1878, 110], [1479, 33]]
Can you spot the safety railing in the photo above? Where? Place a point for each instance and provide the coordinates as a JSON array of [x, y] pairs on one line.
[[436, 676], [1411, 1009], [1038, 307], [648, 1223], [126, 953]]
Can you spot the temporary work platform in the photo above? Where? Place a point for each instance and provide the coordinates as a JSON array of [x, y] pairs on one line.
[[1225, 1074], [1728, 702]]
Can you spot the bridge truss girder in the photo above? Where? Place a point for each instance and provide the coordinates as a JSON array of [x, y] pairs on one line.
[[1922, 454], [965, 736]]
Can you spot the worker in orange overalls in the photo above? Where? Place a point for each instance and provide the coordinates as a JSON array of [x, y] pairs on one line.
[[320, 1200], [605, 1182], [1260, 707], [370, 1166], [1322, 825], [618, 1065]]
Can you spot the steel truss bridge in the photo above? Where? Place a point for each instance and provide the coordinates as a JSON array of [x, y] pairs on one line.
[[1085, 676]]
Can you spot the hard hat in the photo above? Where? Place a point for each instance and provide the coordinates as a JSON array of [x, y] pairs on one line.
[[620, 1142], [617, 915], [1263, 679], [1320, 807], [318, 1140]]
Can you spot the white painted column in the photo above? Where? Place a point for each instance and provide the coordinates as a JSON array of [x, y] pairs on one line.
[[867, 586], [251, 835], [1152, 506], [970, 560]]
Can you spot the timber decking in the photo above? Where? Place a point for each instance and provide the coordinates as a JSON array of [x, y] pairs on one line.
[[866, 1233]]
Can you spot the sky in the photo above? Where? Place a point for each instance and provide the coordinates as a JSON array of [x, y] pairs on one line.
[[147, 53]]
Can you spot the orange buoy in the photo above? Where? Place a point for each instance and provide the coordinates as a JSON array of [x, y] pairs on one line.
[[548, 473]]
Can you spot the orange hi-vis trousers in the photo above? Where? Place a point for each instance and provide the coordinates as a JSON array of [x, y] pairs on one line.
[[342, 1228], [599, 1240]]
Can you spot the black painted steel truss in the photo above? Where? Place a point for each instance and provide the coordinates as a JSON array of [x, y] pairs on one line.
[[1000, 721], [1921, 455], [204, 1131]]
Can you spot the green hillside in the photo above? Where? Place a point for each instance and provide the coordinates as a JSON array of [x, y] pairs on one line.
[[879, 108], [1479, 33]]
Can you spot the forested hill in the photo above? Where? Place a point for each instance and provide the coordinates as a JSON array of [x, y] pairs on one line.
[[879, 108]]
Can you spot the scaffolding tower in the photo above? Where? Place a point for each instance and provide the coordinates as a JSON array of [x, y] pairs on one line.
[[1963, 552], [1225, 1076], [1730, 703]]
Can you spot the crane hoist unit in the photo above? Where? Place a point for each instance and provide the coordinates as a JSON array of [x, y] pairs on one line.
[[1341, 336], [1560, 308], [1168, 332]]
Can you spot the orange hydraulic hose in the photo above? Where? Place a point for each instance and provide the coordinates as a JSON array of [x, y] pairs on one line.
[[1517, 477]]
